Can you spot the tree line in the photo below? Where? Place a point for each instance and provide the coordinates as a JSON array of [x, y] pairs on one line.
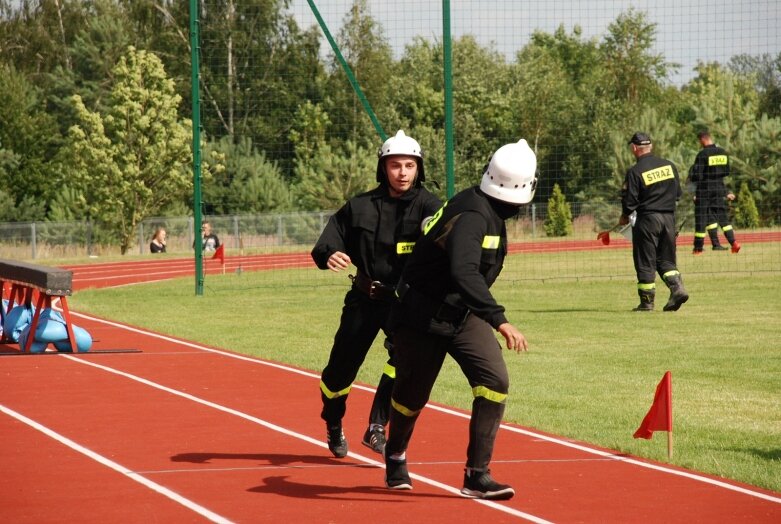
[[97, 110]]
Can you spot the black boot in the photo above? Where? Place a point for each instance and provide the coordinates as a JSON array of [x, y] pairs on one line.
[[678, 295], [646, 300], [714, 240], [699, 242]]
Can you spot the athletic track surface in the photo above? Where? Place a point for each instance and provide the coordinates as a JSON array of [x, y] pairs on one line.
[[181, 432]]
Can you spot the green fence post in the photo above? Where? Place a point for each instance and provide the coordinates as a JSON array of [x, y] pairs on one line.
[[448, 80], [195, 78]]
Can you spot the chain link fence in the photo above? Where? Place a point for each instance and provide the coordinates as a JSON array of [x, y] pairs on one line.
[[273, 232]]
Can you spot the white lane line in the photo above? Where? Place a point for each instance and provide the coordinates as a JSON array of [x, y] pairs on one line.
[[300, 436], [187, 503], [553, 440]]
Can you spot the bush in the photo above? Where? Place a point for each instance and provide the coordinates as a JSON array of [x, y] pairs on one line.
[[558, 223], [745, 209]]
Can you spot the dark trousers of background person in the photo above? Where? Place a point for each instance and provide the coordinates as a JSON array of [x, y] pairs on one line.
[[419, 357], [361, 321], [653, 246], [710, 213]]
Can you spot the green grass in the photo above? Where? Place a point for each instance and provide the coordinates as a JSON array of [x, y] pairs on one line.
[[592, 367]]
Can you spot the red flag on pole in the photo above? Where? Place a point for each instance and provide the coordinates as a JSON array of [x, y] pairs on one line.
[[660, 416], [220, 254]]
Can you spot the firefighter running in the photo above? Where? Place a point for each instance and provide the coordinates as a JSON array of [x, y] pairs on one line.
[[375, 232], [652, 189], [445, 307]]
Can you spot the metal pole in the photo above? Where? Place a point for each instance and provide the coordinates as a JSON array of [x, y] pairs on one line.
[[89, 237], [349, 72], [32, 239], [448, 74], [196, 94]]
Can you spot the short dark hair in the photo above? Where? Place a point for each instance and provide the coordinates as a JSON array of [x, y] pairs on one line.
[[703, 133]]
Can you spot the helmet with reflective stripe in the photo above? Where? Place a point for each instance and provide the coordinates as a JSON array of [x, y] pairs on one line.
[[401, 144], [511, 174]]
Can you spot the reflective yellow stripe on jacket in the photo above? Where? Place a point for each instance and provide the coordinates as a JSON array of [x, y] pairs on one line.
[[491, 242]]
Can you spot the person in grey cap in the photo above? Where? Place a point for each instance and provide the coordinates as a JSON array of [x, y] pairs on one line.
[[652, 188]]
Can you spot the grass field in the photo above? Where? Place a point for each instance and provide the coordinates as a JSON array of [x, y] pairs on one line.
[[592, 367]]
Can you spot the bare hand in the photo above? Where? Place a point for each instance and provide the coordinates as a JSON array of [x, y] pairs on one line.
[[623, 220], [339, 261], [514, 338], [730, 196]]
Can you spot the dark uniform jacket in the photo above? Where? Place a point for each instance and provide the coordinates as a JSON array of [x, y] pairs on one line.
[[455, 263], [710, 167], [376, 231], [651, 186]]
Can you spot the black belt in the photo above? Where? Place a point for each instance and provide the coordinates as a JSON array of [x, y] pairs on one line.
[[374, 288]]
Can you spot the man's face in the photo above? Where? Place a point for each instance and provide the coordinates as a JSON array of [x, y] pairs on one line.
[[402, 171], [207, 229]]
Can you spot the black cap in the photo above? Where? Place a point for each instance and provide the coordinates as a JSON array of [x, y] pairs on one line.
[[640, 139]]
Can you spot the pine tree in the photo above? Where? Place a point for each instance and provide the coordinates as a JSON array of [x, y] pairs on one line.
[[133, 160], [558, 223], [745, 210]]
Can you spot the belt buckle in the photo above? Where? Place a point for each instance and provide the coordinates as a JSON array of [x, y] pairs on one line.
[[375, 285]]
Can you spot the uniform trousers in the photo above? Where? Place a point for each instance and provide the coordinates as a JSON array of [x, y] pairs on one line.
[[653, 246], [419, 357], [710, 212], [361, 321]]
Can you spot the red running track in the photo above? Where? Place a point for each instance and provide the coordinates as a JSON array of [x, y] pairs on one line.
[[162, 268], [110, 274], [181, 432]]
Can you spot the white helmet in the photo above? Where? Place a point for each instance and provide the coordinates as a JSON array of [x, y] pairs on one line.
[[400, 144], [511, 175]]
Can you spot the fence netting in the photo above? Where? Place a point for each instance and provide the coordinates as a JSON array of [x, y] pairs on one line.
[[297, 95]]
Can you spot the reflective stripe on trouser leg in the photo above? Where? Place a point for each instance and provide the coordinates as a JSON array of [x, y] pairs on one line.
[[669, 274], [334, 403], [729, 233], [699, 240], [486, 417], [713, 232], [402, 423]]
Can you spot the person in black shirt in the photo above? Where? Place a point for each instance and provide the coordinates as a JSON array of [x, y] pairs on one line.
[[157, 245], [375, 232], [209, 241], [707, 174], [652, 189], [446, 307]]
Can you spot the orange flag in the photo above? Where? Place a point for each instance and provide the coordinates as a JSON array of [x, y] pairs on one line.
[[220, 254], [660, 416]]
